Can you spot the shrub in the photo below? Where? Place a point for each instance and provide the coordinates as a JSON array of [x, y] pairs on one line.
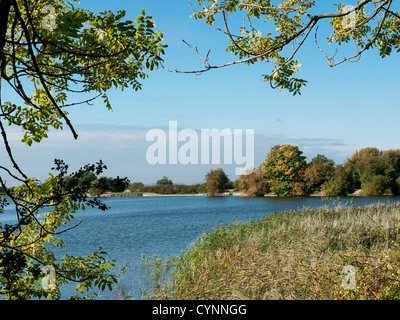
[[378, 186], [252, 184]]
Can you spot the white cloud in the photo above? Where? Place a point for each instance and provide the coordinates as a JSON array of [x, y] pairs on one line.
[[123, 150]]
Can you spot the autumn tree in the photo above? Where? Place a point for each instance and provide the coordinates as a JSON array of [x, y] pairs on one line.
[[273, 33], [56, 57], [253, 183], [318, 171], [216, 182], [283, 168]]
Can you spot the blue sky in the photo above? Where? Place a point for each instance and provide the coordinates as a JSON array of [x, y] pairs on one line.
[[342, 109]]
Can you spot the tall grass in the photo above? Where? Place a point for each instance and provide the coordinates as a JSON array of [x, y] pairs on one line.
[[299, 254]]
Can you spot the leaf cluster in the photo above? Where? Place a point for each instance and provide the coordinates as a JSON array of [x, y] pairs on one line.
[[25, 246], [273, 32], [87, 53]]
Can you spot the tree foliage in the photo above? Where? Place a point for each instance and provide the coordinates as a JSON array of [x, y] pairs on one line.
[[104, 184], [86, 53], [216, 182], [374, 171], [25, 246], [253, 183], [318, 171], [164, 182], [274, 32], [283, 168], [340, 184], [56, 57], [135, 186], [285, 172]]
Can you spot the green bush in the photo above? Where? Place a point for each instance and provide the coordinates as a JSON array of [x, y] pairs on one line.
[[379, 185], [334, 187]]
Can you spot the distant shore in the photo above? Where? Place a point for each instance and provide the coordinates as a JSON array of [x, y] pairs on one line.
[[236, 194], [150, 194], [357, 193]]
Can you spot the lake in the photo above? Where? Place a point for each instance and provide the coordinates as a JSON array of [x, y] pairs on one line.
[[165, 225]]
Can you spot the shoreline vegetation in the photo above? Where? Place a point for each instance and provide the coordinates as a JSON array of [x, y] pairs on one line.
[[225, 194], [326, 253], [234, 193], [129, 194], [284, 173]]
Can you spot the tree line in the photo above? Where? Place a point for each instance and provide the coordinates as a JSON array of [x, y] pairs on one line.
[[285, 172]]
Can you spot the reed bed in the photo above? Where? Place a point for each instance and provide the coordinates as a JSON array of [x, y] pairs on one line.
[[332, 252]]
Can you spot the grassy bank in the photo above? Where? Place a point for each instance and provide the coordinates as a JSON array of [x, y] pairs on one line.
[[301, 254]]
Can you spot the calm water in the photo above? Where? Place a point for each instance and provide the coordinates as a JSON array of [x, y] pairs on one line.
[[165, 225]]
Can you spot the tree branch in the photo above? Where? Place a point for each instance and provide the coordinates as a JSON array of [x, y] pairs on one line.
[[31, 53], [5, 7]]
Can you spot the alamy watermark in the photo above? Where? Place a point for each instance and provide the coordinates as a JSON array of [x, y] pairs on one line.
[[49, 21], [349, 21], [349, 280], [201, 147], [48, 282]]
